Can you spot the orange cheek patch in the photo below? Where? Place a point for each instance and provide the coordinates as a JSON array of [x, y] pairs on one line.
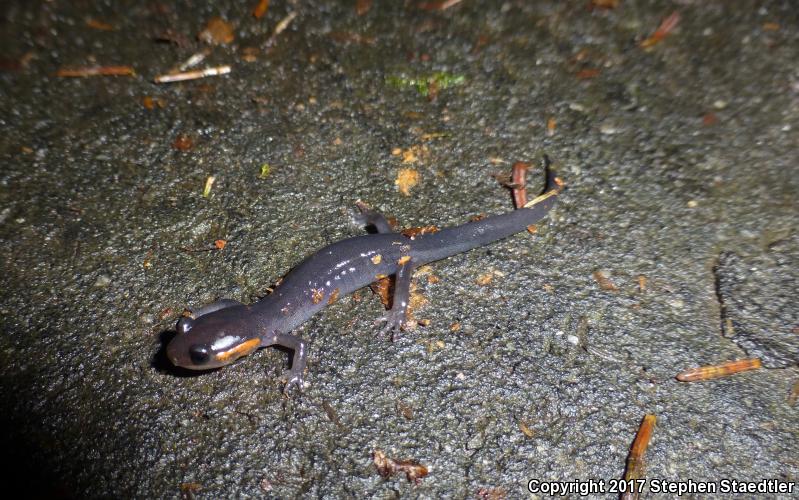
[[240, 350]]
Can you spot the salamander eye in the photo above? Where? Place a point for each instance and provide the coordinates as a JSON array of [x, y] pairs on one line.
[[185, 324], [198, 354]]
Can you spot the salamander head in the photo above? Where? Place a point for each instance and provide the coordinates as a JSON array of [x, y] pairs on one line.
[[212, 340]]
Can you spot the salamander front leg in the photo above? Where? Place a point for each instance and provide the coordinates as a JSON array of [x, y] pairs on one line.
[[395, 318], [369, 217], [295, 374]]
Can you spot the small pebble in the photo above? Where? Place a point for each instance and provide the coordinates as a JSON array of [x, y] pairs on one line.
[[608, 128], [102, 281], [576, 107], [676, 303]]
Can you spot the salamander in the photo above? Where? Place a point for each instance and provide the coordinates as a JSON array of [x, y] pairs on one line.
[[219, 333]]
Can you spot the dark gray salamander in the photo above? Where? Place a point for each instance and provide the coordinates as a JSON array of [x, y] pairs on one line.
[[219, 333]]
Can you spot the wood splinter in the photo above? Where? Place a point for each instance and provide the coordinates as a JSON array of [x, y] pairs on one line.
[[192, 75]]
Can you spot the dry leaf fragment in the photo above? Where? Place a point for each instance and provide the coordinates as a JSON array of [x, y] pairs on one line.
[[406, 179], [250, 54], [551, 125], [642, 280], [405, 409], [362, 6], [150, 102], [485, 279], [260, 9], [183, 142], [409, 156], [709, 119], [99, 25], [588, 73], [604, 282], [216, 32], [491, 494], [605, 4], [663, 30], [190, 488], [525, 429], [171, 36], [415, 303], [382, 288], [794, 395], [387, 467]]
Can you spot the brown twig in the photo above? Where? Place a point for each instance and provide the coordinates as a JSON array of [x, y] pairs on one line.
[[95, 71], [663, 30], [717, 371], [636, 468], [260, 9], [519, 183], [440, 5], [192, 75]]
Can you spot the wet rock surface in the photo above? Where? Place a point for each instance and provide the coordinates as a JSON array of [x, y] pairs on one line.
[[543, 352], [759, 311]]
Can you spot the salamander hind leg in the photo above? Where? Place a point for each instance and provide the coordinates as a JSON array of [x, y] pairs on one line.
[[295, 376], [369, 217], [396, 317]]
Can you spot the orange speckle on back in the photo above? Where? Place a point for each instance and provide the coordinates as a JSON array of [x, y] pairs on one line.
[[413, 232]]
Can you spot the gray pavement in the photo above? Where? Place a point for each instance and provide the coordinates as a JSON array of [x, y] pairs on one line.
[[681, 166]]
